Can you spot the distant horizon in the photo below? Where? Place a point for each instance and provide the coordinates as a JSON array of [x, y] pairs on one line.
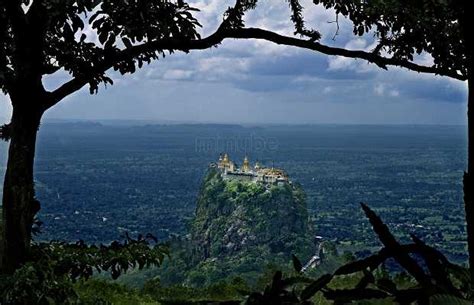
[[138, 122]]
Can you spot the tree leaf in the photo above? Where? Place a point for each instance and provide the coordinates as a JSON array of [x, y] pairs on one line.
[[315, 286], [394, 248], [296, 263]]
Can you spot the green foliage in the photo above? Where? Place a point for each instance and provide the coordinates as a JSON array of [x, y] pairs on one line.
[[81, 261], [65, 34], [53, 267], [231, 290], [103, 292], [241, 227], [37, 284]]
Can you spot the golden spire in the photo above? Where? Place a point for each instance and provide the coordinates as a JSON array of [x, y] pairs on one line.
[[246, 165]]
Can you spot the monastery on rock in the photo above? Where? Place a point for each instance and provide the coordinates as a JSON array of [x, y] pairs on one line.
[[247, 172]]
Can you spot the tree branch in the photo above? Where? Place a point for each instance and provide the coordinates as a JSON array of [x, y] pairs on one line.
[[77, 83], [382, 62], [223, 33]]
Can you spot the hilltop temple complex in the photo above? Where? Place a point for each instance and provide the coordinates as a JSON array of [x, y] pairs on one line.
[[247, 172]]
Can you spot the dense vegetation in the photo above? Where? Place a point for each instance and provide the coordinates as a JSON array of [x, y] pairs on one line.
[[79, 187], [90, 175], [239, 229], [243, 226], [60, 273]]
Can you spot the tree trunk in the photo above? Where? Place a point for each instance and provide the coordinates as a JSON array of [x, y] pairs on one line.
[[19, 203], [469, 178], [466, 26]]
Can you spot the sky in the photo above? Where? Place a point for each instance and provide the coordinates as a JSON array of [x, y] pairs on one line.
[[258, 82]]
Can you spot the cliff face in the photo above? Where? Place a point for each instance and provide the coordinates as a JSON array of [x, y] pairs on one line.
[[246, 225]]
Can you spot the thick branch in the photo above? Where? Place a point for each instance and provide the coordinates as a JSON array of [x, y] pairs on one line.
[[383, 62], [245, 33], [129, 53], [166, 44]]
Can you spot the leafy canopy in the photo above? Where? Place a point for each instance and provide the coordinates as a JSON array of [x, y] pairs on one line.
[[88, 37], [404, 29], [85, 37]]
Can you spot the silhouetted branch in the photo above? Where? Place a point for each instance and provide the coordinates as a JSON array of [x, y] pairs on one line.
[[299, 23], [343, 296], [233, 18], [395, 248], [436, 265], [243, 33], [382, 62], [443, 278], [336, 21], [165, 44]]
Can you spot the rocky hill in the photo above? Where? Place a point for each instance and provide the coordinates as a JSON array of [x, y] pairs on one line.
[[242, 227]]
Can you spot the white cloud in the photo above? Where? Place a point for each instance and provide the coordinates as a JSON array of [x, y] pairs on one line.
[[328, 90], [394, 93], [177, 74], [223, 68], [379, 89]]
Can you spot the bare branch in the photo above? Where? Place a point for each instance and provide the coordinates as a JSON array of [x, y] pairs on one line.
[[336, 21]]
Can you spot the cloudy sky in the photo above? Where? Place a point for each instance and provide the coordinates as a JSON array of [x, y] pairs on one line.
[[258, 82]]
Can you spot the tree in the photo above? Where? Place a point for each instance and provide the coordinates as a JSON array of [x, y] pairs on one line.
[[41, 37], [404, 29], [437, 27]]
